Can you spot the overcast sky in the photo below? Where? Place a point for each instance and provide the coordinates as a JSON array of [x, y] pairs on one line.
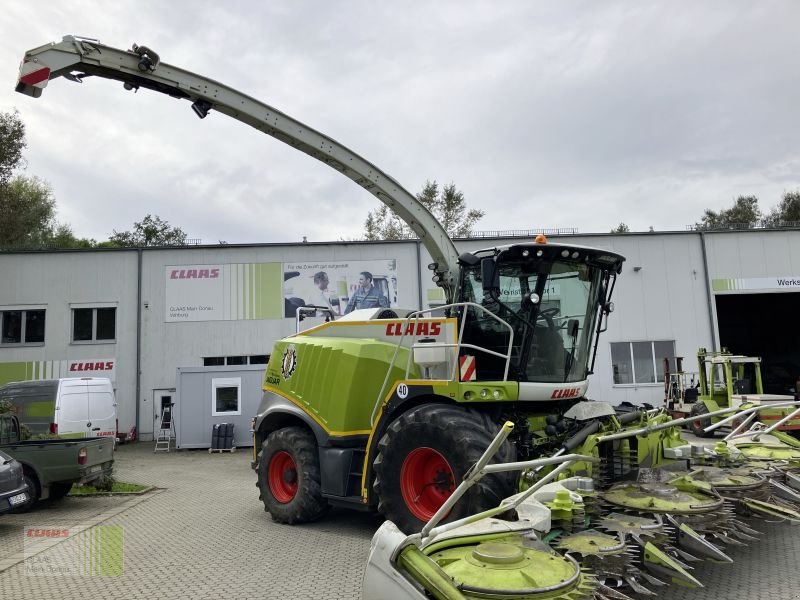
[[545, 114]]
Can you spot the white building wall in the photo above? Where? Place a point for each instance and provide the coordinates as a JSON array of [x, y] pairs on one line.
[[169, 345], [748, 254], [668, 298], [59, 280]]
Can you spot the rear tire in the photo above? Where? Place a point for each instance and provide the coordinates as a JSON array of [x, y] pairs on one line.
[[697, 426], [59, 490], [289, 476], [424, 455]]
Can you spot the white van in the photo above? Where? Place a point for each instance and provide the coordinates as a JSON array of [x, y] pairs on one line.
[[72, 407]]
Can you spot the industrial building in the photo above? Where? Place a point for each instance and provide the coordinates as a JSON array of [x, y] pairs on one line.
[[139, 315]]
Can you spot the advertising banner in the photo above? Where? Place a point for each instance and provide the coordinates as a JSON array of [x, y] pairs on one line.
[[56, 369], [791, 284], [341, 286], [230, 292], [225, 292]]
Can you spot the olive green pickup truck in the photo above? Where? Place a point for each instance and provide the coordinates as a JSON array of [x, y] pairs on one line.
[[50, 467]]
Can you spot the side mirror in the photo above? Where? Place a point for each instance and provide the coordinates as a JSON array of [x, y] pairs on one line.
[[572, 327], [490, 275]]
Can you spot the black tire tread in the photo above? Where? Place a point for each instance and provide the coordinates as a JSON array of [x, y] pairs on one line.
[[59, 490], [467, 430], [697, 426], [308, 504]]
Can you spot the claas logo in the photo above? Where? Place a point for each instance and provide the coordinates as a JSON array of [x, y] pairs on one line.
[[422, 328], [92, 366]]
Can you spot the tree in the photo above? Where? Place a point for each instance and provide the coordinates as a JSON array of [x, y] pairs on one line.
[[12, 142], [27, 213], [150, 231], [27, 206], [744, 214], [621, 228], [787, 211], [446, 204]]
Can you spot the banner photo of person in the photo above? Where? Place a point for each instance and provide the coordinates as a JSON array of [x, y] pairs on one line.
[[339, 286]]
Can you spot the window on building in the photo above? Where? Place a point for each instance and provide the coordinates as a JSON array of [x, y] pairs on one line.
[[219, 361], [94, 324], [24, 326], [226, 393], [641, 362]]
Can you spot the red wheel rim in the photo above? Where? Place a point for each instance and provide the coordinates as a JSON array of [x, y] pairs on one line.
[[282, 477], [426, 482]]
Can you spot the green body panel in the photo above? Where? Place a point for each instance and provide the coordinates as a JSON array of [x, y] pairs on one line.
[[684, 498], [337, 380], [507, 567], [761, 451], [428, 574], [666, 565], [651, 446], [592, 543], [786, 438], [712, 404]]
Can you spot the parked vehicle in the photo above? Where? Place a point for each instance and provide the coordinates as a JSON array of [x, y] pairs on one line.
[[51, 466], [13, 489], [71, 407], [723, 380]]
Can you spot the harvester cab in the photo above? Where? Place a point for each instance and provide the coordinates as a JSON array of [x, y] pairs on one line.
[[549, 295]]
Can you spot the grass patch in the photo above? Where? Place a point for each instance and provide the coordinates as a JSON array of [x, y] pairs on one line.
[[116, 488]]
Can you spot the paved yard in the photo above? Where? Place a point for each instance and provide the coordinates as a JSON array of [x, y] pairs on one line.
[[203, 534]]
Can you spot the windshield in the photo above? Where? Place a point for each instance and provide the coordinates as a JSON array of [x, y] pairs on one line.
[[551, 305]]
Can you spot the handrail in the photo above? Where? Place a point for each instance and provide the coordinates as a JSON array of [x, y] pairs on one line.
[[416, 315], [458, 345]]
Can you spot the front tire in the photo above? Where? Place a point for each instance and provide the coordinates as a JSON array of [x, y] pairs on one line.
[[424, 455], [289, 476]]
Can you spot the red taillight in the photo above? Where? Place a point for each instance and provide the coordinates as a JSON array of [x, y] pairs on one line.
[[54, 428], [82, 456]]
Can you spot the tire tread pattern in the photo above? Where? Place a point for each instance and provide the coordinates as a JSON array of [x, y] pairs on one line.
[[461, 435], [308, 504]]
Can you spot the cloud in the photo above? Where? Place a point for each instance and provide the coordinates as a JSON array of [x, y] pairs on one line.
[[562, 114]]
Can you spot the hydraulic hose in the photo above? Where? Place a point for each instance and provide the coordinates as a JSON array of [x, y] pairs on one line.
[[593, 427], [630, 417], [580, 437]]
